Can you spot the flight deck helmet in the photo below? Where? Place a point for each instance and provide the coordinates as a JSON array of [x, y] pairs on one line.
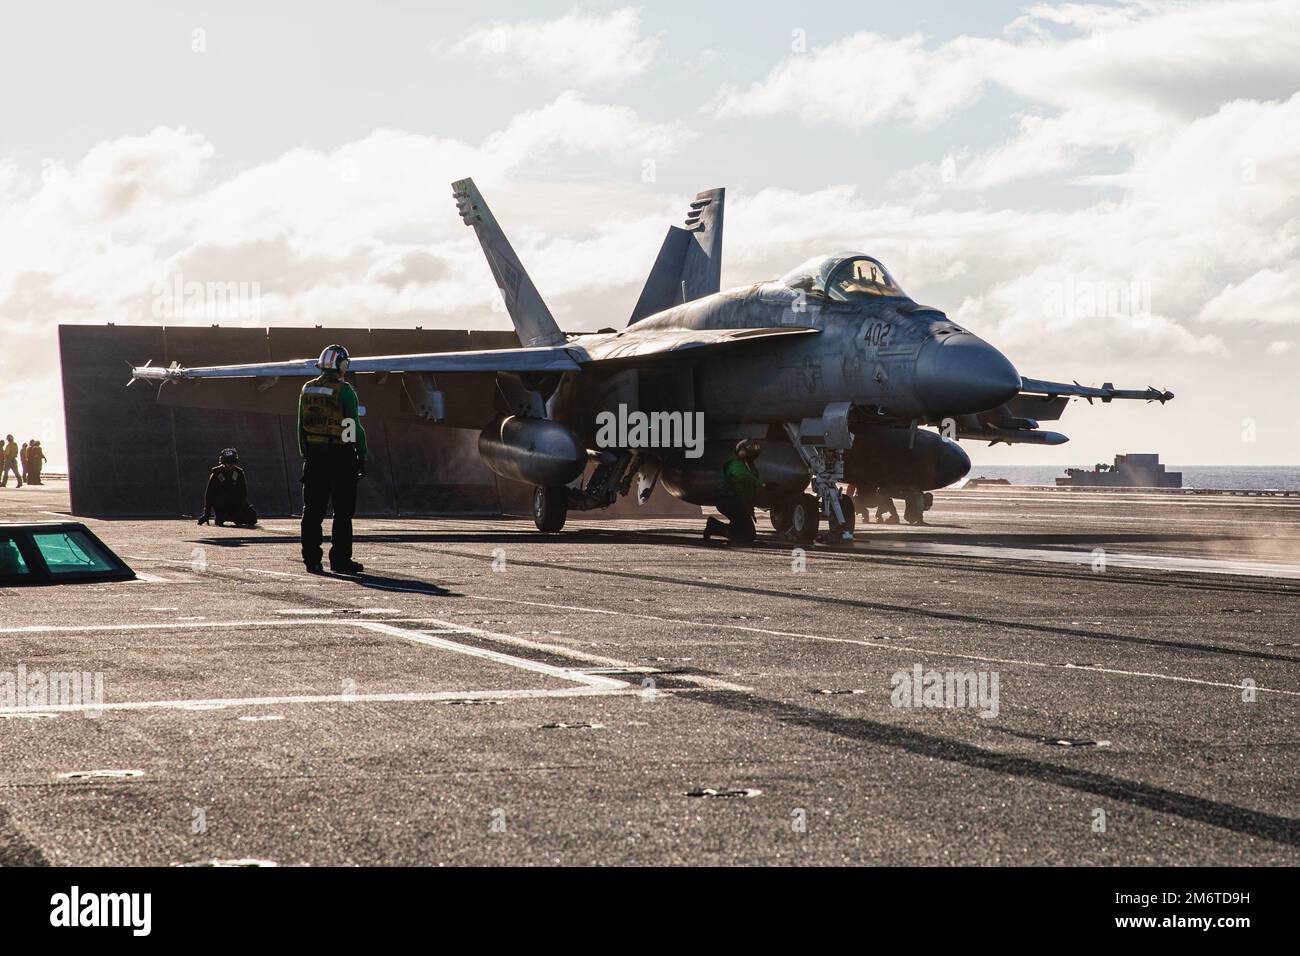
[[748, 449], [334, 359], [228, 456]]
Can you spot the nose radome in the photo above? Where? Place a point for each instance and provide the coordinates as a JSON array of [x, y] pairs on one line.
[[960, 374]]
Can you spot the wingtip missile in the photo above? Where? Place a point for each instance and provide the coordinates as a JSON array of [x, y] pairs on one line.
[[136, 371], [148, 372]]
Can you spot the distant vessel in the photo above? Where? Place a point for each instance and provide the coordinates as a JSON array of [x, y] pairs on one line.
[[1129, 471]]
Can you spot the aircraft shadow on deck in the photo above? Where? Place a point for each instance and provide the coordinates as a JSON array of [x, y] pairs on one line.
[[691, 537]]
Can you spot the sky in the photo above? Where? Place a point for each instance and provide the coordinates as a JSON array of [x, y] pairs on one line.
[[1106, 192]]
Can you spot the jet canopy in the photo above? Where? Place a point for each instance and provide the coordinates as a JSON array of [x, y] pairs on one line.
[[846, 277]]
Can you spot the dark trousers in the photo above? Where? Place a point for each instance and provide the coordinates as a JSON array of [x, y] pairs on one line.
[[741, 529], [329, 475], [241, 513]]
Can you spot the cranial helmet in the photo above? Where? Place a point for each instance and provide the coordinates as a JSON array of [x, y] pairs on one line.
[[748, 448], [334, 359], [229, 456]]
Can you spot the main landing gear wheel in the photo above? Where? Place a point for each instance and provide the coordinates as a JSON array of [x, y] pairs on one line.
[[805, 516], [780, 517], [550, 507]]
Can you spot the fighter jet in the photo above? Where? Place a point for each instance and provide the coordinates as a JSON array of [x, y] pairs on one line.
[[833, 365]]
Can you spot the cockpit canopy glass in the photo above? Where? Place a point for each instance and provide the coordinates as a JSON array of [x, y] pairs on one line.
[[848, 277]]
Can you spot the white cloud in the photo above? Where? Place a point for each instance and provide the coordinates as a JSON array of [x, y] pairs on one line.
[[1090, 78], [1270, 295], [866, 78], [364, 234], [580, 49], [1202, 216]]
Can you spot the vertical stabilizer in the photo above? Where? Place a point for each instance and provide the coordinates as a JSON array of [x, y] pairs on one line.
[[533, 320], [689, 265]]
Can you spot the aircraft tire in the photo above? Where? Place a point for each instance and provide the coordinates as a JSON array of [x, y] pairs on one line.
[[779, 515], [550, 507], [805, 516]]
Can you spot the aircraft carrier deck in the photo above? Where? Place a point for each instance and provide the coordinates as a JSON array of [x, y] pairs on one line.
[[487, 696]]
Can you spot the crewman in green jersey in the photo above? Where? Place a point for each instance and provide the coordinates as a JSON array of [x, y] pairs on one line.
[[740, 485], [333, 448]]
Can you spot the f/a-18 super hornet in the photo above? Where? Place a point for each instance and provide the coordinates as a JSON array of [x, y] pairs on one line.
[[832, 365]]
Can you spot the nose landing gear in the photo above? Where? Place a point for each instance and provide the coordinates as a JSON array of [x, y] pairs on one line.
[[826, 468]]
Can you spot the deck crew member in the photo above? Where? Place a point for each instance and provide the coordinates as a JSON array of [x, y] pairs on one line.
[[333, 448], [226, 496], [740, 486]]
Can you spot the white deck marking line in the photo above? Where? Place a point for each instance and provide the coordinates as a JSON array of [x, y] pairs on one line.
[[309, 611], [448, 627], [562, 651], [164, 626], [1213, 500], [189, 563], [218, 703], [1114, 559], [1057, 516], [564, 673], [892, 646], [591, 683]]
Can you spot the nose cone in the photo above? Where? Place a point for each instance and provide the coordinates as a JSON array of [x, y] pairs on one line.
[[960, 374]]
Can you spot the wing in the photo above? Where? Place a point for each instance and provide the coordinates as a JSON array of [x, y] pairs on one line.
[[621, 348], [631, 347], [550, 359]]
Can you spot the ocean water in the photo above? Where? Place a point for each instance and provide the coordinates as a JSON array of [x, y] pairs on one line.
[[1225, 477]]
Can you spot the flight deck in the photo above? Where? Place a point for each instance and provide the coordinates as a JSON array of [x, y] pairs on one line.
[[622, 692]]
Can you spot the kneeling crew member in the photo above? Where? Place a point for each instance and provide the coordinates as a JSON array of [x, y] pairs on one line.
[[333, 447], [226, 496], [915, 505], [740, 485]]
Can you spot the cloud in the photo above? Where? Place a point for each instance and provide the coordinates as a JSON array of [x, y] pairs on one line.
[[1089, 78], [864, 79], [365, 234], [1046, 286], [1180, 250], [580, 49], [1270, 295]]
